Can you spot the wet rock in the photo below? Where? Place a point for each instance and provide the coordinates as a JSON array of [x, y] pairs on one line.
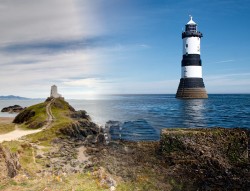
[[13, 109]]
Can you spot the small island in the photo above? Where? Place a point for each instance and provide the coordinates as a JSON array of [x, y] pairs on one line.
[[12, 109], [68, 151]]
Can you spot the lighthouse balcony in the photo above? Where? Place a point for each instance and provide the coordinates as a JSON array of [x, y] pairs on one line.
[[191, 34]]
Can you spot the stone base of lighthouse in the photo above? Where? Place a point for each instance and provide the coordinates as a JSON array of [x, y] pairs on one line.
[[191, 88]]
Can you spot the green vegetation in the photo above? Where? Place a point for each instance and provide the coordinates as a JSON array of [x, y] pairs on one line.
[[77, 182], [61, 112], [33, 117], [26, 155], [6, 128], [173, 164]]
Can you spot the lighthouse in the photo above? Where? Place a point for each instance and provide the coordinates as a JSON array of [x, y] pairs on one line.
[[191, 84]]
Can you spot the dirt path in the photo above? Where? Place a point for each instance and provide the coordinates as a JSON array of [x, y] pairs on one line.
[[18, 133], [50, 117]]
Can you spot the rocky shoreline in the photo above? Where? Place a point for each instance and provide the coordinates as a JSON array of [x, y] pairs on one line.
[[13, 109], [183, 159]]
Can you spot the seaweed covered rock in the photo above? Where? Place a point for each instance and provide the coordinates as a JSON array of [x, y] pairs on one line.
[[12, 109], [210, 157], [24, 116]]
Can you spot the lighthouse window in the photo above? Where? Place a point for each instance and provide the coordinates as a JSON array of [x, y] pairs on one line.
[[191, 28], [186, 45]]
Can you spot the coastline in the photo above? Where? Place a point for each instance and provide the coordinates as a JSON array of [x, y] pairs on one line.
[[10, 132], [6, 126], [73, 150], [6, 119]]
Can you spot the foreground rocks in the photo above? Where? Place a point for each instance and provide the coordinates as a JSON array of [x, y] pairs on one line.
[[183, 159], [9, 163], [13, 109], [209, 158]]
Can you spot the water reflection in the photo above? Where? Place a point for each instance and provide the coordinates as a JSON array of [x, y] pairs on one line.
[[193, 112]]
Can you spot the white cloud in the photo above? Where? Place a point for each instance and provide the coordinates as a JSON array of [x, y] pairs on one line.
[[44, 42], [30, 20], [87, 82], [29, 79]]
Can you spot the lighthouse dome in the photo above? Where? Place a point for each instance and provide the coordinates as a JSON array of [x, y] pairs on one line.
[[191, 22]]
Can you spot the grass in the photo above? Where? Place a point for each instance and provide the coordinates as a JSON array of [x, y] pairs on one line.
[[30, 165], [60, 110], [6, 128], [26, 155], [39, 119], [76, 182]]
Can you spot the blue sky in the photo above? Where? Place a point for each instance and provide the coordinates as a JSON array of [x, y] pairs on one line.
[[89, 47]]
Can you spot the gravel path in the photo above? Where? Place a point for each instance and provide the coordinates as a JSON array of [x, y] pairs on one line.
[[18, 133]]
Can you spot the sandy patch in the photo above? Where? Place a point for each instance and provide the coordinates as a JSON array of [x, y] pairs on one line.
[[16, 134], [6, 119]]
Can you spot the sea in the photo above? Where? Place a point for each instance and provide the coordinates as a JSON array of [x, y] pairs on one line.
[[141, 117]]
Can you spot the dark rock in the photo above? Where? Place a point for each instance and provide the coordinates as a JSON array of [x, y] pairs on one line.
[[81, 114], [90, 139], [81, 130], [9, 163], [13, 109], [39, 156], [210, 157], [101, 139], [24, 116]]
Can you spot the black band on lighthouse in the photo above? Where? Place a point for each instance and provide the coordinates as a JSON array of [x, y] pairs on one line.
[[191, 60], [191, 83]]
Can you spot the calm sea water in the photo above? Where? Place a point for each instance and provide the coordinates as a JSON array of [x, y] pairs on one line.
[[141, 117]]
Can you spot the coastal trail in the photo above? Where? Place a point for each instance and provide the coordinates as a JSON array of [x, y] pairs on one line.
[[50, 118], [18, 133]]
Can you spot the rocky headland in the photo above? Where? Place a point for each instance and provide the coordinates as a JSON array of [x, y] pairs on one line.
[[73, 153], [13, 109]]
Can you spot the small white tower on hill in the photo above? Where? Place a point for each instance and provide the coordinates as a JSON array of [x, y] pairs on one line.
[[54, 93]]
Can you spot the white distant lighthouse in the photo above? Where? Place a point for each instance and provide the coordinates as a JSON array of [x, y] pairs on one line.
[[191, 83], [54, 93]]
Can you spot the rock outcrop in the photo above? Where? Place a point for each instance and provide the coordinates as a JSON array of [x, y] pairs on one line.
[[24, 116], [83, 129], [9, 163], [13, 109], [210, 158]]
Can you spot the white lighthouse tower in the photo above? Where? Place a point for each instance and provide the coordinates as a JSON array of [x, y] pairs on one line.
[[191, 83], [54, 93]]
